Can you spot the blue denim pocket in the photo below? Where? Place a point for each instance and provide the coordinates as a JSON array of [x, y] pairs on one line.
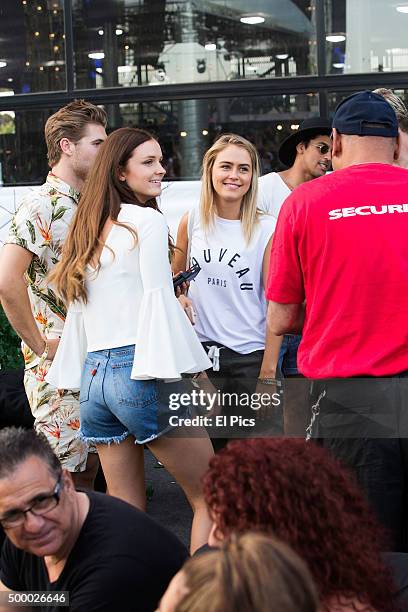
[[129, 392], [89, 371]]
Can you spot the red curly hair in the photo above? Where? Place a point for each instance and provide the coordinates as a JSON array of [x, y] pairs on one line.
[[301, 494]]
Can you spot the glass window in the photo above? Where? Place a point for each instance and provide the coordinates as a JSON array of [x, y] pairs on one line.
[[186, 128], [366, 36], [23, 154], [32, 47], [158, 42]]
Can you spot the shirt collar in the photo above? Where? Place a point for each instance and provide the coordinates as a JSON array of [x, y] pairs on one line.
[[56, 183]]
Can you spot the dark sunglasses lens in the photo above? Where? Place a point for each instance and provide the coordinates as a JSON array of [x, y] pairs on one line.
[[324, 149]]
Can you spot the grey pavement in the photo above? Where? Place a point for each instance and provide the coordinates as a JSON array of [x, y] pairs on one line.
[[166, 500]]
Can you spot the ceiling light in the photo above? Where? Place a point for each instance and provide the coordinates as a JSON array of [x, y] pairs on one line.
[[402, 9], [96, 55], [183, 134], [10, 80], [252, 19], [335, 38], [279, 127], [210, 47], [282, 56], [100, 32], [205, 132], [36, 33], [126, 47], [39, 8], [3, 63], [338, 65], [118, 31], [294, 126]]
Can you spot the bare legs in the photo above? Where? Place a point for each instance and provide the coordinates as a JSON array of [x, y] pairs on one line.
[[86, 479], [123, 467], [187, 460]]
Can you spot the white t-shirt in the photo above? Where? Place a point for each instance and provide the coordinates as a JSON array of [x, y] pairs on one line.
[[272, 192], [228, 293]]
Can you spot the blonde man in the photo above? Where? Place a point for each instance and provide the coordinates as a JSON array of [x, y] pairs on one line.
[[73, 136], [402, 116]]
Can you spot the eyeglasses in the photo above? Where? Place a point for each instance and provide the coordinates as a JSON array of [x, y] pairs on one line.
[[323, 148], [41, 505]]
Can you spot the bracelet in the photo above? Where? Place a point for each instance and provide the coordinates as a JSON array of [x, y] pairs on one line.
[[269, 381]]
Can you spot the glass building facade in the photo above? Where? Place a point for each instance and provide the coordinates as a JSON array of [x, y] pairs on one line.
[[188, 70]]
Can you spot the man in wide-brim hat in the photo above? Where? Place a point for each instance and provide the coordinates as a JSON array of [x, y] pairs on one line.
[[307, 155]]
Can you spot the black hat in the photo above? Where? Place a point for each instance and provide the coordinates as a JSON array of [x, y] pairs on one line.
[[309, 128], [366, 114]]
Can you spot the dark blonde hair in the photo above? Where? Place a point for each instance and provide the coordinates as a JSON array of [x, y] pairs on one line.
[[70, 122], [250, 572], [397, 104], [248, 212], [101, 200]]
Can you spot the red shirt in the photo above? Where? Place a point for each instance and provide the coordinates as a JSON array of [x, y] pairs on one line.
[[341, 243]]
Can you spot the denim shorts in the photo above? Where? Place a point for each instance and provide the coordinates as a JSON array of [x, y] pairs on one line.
[[113, 406], [288, 355]]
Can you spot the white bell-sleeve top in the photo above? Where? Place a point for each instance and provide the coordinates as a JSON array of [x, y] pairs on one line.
[[130, 301]]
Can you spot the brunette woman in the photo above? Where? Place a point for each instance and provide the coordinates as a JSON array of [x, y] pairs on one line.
[[126, 321]]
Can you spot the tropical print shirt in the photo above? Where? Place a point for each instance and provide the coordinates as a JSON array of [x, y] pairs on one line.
[[40, 225]]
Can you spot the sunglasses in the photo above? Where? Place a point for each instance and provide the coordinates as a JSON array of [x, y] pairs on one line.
[[323, 148]]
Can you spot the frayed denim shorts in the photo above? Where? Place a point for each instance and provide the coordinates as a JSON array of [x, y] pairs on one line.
[[113, 406]]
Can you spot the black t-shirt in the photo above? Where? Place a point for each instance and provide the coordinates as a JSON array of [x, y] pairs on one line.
[[14, 407], [122, 560]]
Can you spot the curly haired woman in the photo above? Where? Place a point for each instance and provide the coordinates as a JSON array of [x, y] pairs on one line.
[[299, 493]]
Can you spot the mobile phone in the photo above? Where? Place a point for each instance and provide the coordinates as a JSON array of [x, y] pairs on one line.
[[188, 275]]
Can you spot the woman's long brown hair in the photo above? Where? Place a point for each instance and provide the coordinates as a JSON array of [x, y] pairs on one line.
[[100, 200]]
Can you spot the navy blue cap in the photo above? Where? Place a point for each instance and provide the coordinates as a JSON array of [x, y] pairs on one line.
[[365, 114]]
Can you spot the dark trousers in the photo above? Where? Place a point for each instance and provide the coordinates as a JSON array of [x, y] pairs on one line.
[[238, 373], [364, 423]]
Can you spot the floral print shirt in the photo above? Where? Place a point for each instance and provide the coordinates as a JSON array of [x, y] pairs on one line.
[[40, 225]]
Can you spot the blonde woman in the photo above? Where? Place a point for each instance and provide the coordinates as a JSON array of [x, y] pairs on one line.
[[125, 329], [250, 573], [230, 239]]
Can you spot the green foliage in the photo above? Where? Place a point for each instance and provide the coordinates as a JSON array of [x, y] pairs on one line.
[[10, 355]]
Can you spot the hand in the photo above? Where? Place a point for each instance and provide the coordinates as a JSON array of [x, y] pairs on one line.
[[181, 289], [265, 389], [187, 306], [52, 348]]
